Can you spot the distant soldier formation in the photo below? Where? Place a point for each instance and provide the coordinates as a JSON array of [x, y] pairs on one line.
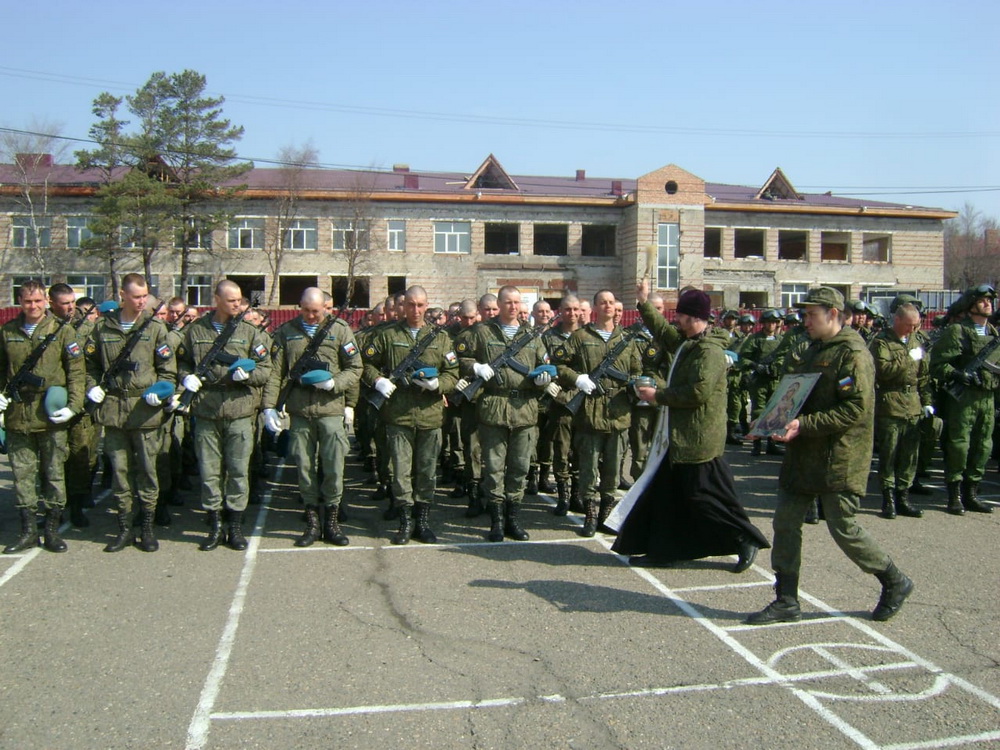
[[497, 399]]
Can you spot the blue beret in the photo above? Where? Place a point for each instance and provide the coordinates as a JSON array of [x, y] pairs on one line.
[[162, 388], [315, 376], [56, 398], [246, 364]]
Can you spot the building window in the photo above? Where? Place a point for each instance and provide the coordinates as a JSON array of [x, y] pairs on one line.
[[551, 239], [199, 290], [792, 293], [28, 232], [396, 241], [198, 237], [453, 237], [834, 245], [88, 285], [16, 281], [300, 235], [749, 243], [360, 297], [599, 240], [501, 239], [668, 256], [290, 288], [77, 232], [792, 244], [395, 284], [247, 234], [713, 242], [350, 235], [876, 247], [251, 285]]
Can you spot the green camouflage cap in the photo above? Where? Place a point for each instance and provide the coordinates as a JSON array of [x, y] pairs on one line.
[[825, 296]]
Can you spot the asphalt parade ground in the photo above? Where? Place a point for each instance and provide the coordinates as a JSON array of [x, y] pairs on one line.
[[555, 642]]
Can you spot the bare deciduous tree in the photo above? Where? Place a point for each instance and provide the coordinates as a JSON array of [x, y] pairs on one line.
[[971, 249], [355, 241]]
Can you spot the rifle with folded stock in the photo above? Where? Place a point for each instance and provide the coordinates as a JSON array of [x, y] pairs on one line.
[[213, 355], [968, 374], [607, 369], [506, 358], [405, 369], [308, 360]]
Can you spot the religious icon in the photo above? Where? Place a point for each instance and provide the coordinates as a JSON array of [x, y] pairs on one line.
[[784, 405]]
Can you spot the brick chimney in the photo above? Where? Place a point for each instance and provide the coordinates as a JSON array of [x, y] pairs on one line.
[[581, 175], [411, 181], [616, 188], [400, 168]]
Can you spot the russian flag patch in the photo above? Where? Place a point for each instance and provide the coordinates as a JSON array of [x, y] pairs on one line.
[[845, 383], [350, 349], [450, 358], [164, 352], [73, 349], [260, 350]]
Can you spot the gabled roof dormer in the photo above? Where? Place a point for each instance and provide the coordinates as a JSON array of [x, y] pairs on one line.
[[778, 187], [491, 176]]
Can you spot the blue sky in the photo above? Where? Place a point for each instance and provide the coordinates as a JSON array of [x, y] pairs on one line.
[[887, 99]]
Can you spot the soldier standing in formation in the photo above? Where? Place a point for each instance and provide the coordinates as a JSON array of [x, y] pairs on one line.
[[759, 360], [557, 432]]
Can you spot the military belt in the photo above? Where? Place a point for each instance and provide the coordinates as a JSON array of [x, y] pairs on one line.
[[903, 389], [126, 391]]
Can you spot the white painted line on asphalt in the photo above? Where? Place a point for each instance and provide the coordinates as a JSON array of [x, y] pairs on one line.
[[724, 586], [966, 739], [303, 713], [418, 546], [761, 628], [201, 722], [859, 675]]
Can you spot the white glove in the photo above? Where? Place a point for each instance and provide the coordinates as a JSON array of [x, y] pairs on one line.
[[192, 383], [461, 385], [272, 422], [152, 399], [239, 375], [95, 394], [428, 384], [4, 403], [348, 417], [61, 415], [325, 385], [553, 389], [483, 371], [3, 422], [543, 378], [172, 403], [585, 384], [917, 354], [928, 411], [385, 387]]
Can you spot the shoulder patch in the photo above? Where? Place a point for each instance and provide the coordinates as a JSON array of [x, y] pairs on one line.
[[73, 349], [845, 383], [370, 351], [91, 347], [261, 351], [560, 353], [181, 351], [462, 347], [350, 349], [651, 352], [450, 358], [164, 352]]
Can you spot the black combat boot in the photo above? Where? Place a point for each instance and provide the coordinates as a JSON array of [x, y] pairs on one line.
[[496, 523], [29, 533], [903, 506], [919, 488], [970, 498], [77, 517], [402, 535], [895, 588], [955, 506], [785, 607], [731, 437], [888, 503], [459, 490], [475, 500], [512, 527], [755, 450], [147, 540], [311, 533], [544, 485], [162, 515], [214, 531], [531, 485], [747, 549], [125, 538], [421, 529], [590, 519], [332, 533], [237, 541], [575, 502], [562, 506], [608, 503], [51, 539], [773, 449]]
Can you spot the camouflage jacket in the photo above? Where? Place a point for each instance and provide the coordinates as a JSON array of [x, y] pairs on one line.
[[901, 382], [956, 347]]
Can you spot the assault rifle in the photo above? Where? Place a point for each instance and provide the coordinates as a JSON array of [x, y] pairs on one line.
[[970, 373], [606, 368], [760, 368], [506, 358], [24, 376], [204, 367], [308, 360], [405, 369], [122, 362]]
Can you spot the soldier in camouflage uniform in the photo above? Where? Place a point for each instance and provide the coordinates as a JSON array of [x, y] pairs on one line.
[[602, 422], [829, 454], [224, 409], [131, 419], [758, 360], [507, 411], [36, 440], [902, 397], [734, 393], [413, 412], [655, 359], [465, 483], [557, 431], [318, 438], [541, 463], [969, 419]]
